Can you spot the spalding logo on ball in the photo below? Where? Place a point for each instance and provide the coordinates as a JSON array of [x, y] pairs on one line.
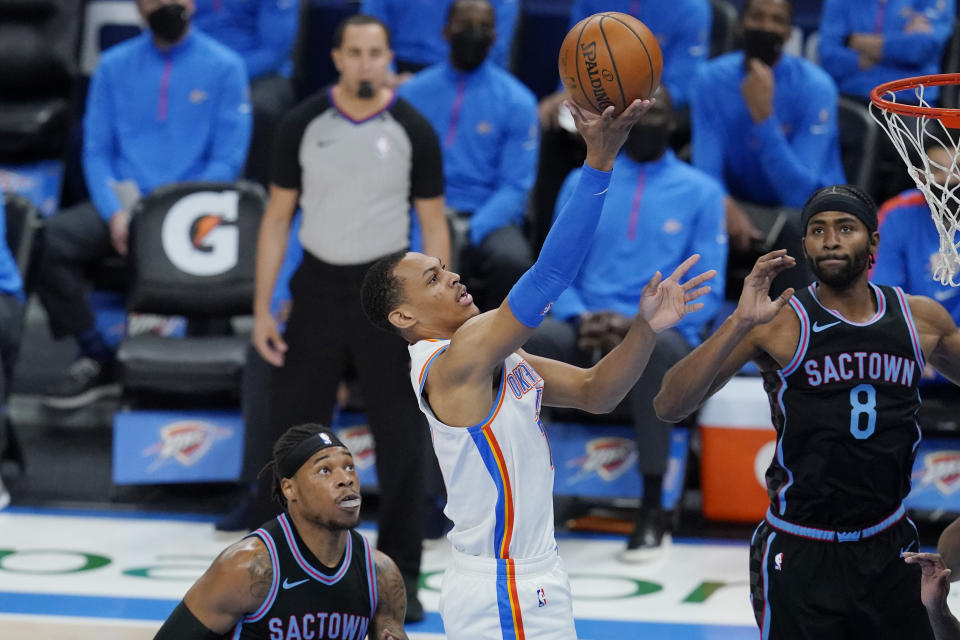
[[609, 58]]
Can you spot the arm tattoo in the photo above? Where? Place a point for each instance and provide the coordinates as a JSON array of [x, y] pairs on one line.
[[261, 575], [392, 604]]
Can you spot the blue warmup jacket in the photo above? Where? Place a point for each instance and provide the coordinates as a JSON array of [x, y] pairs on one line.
[[781, 160], [909, 245], [262, 32], [904, 54], [416, 28], [10, 282], [655, 216], [488, 127], [160, 117], [682, 28]]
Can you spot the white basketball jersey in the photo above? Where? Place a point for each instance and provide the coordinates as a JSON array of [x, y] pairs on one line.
[[498, 473]]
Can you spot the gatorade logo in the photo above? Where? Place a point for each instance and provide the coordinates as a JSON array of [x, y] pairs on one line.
[[200, 235]]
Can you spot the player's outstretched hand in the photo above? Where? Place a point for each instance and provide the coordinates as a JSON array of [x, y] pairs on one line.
[[755, 305], [664, 303], [934, 580], [606, 133]]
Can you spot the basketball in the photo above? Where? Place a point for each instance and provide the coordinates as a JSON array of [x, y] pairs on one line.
[[610, 58]]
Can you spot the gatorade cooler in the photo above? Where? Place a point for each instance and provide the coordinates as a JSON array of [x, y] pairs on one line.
[[737, 444]]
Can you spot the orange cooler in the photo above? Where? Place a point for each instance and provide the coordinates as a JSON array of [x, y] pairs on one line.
[[737, 444]]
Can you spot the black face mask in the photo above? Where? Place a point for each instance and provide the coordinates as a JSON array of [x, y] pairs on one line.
[[469, 48], [766, 46], [169, 22], [646, 143], [365, 90]]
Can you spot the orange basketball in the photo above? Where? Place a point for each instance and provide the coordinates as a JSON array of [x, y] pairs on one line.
[[608, 59]]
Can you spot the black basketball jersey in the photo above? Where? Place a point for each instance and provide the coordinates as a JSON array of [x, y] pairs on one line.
[[845, 410], [307, 599]]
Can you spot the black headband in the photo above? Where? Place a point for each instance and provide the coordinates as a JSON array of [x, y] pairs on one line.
[[839, 198], [304, 451]]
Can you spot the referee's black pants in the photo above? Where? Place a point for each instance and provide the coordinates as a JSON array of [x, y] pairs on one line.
[[326, 331]]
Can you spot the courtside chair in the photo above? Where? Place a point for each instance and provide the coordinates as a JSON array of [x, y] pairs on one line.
[[192, 254], [723, 27], [858, 142], [23, 223]]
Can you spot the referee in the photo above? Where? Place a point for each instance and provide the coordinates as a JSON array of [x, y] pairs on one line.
[[353, 158]]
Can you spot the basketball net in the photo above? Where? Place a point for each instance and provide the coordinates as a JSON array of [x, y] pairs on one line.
[[911, 135]]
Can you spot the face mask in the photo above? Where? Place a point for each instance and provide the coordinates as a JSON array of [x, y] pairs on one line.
[[646, 143], [766, 46], [365, 90], [469, 48], [169, 22]]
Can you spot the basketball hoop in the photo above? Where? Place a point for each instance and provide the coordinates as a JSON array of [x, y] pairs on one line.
[[913, 128]]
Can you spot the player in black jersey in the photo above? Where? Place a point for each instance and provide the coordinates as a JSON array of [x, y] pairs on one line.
[[840, 362], [305, 574]]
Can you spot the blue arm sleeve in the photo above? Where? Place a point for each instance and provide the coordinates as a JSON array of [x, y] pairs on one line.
[[277, 31], [688, 48], [100, 145], [707, 130], [919, 48], [710, 241], [515, 175], [796, 167], [506, 16], [891, 268], [231, 131], [563, 251], [835, 57], [570, 304]]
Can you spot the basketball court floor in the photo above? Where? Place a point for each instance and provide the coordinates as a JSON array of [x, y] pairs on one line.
[[80, 575], [87, 574]]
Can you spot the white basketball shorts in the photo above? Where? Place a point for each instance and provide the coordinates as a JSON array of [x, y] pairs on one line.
[[490, 599]]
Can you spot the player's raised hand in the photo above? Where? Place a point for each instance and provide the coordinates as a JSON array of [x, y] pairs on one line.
[[755, 305], [606, 133], [664, 303]]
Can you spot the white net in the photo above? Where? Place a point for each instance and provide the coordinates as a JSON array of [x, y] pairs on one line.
[[931, 151]]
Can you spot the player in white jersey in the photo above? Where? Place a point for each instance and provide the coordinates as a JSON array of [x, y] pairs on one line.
[[482, 397]]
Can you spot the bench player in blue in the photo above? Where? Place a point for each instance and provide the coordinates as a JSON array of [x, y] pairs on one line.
[[306, 573], [841, 360]]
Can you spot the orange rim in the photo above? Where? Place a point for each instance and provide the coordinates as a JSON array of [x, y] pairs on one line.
[[949, 117]]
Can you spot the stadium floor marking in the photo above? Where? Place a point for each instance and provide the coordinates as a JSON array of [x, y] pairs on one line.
[[115, 576]]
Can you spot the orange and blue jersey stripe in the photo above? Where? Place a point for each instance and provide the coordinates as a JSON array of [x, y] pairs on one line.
[[426, 365], [508, 600]]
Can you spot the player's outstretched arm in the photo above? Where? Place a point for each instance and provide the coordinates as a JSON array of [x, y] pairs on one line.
[[934, 588], [484, 341], [387, 623], [939, 336], [235, 584], [600, 388], [708, 367]]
